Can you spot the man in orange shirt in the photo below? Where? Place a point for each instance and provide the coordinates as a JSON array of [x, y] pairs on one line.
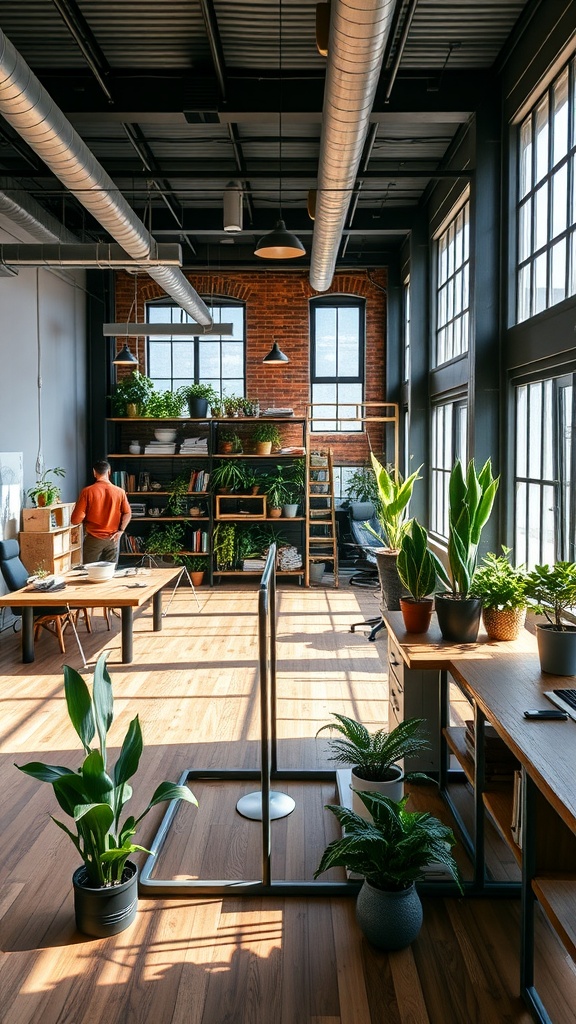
[[105, 512]]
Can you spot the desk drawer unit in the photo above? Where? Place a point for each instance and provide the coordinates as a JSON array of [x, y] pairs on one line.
[[415, 693]]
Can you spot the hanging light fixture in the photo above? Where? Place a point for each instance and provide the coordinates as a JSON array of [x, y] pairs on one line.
[[233, 197], [275, 356], [279, 244], [125, 357]]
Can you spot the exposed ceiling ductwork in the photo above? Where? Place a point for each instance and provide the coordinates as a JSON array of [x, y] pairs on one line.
[[358, 33], [24, 211], [30, 110]]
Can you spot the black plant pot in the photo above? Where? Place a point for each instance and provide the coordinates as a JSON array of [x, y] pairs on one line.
[[107, 911], [198, 408], [458, 618], [390, 585], [557, 650]]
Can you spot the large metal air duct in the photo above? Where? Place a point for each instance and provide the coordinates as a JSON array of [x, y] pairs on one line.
[[31, 111], [24, 211], [358, 33]]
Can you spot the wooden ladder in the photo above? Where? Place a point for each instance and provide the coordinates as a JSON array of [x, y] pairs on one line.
[[321, 538]]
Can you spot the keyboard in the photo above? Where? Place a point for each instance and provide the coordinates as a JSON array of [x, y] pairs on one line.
[[564, 699]]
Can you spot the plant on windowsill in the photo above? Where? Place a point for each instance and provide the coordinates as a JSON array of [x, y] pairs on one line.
[[94, 796], [471, 497], [232, 404], [502, 588], [391, 510], [390, 851], [417, 572], [132, 394], [199, 397], [554, 590], [46, 492], [165, 405]]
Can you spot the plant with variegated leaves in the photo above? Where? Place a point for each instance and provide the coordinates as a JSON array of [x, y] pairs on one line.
[[94, 796], [392, 511], [471, 498], [416, 565]]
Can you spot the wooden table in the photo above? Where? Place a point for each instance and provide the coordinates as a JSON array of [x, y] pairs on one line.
[[126, 592]]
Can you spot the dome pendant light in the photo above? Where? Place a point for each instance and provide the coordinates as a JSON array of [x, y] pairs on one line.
[[279, 244], [125, 357]]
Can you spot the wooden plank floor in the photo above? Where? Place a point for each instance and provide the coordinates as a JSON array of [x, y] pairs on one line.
[[237, 960]]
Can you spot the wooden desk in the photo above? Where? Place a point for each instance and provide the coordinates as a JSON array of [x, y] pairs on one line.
[[119, 592]]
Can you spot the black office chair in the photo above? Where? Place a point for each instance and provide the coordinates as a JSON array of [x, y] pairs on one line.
[[362, 512], [15, 574]]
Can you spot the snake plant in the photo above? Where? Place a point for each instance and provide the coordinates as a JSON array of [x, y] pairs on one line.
[[471, 497]]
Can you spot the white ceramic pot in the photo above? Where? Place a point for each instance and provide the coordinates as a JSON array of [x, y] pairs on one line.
[[290, 511], [99, 571], [393, 788]]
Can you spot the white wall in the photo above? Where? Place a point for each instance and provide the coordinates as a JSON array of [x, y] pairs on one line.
[[43, 333]]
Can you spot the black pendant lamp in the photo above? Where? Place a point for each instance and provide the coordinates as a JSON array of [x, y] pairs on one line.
[[125, 357], [275, 356], [279, 244]]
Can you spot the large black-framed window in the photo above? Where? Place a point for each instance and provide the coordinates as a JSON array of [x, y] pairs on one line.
[[337, 362], [449, 442], [453, 288], [546, 210], [216, 360], [545, 472]]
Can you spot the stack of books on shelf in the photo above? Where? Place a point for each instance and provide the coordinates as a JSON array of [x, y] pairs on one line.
[[499, 761], [199, 480], [194, 446], [278, 412], [138, 509], [199, 541], [119, 477], [253, 564], [517, 801], [294, 449], [160, 448], [131, 543]]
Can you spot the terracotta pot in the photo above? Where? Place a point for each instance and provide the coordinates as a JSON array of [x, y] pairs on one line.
[[274, 513], [197, 577], [225, 447], [503, 623], [416, 614], [255, 489], [262, 447]]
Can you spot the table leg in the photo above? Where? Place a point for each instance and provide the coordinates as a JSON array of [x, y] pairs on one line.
[[27, 635], [127, 634], [157, 611]]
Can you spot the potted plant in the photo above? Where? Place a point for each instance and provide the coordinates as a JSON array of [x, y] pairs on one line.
[[165, 404], [471, 498], [373, 757], [276, 489], [294, 490], [132, 394], [266, 436], [197, 567], [45, 491], [229, 442], [555, 591], [224, 543], [177, 503], [167, 539], [232, 404], [390, 851], [228, 475], [198, 396], [502, 589], [251, 406], [417, 572], [93, 796], [391, 510]]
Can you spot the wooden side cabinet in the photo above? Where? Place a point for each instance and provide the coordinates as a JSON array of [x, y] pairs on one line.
[[48, 541]]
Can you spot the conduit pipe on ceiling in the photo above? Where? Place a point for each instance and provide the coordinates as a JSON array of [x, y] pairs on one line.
[[31, 111], [24, 211], [358, 34]]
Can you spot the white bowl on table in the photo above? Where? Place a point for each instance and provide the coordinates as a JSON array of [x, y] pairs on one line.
[[100, 571], [165, 435]]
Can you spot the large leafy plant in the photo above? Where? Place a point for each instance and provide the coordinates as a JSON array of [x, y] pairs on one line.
[[555, 591], [373, 754], [394, 495], [416, 564], [499, 583], [471, 497], [94, 796], [392, 850]]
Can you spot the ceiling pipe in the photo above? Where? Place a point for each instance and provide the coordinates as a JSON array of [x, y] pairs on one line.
[[358, 33], [31, 111], [24, 211]]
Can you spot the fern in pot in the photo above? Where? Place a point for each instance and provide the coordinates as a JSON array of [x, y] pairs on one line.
[[417, 572], [502, 588], [554, 590], [373, 757], [93, 797], [390, 848]]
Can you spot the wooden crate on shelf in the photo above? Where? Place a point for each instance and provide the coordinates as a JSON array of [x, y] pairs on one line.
[[227, 506], [45, 520]]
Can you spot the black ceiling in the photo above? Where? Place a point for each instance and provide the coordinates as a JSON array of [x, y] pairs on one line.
[[176, 98]]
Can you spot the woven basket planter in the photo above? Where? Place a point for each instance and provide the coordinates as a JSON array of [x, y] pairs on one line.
[[503, 624]]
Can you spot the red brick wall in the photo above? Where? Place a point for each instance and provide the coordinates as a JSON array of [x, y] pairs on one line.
[[277, 308]]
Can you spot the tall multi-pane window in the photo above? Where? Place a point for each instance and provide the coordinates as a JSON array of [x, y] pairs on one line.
[[545, 497], [406, 329], [546, 220], [216, 360], [453, 292], [449, 442], [406, 369], [337, 335]]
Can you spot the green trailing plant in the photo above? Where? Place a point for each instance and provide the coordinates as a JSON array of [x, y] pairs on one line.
[[499, 583], [554, 590], [392, 850], [166, 539], [134, 389], [224, 542], [471, 497], [177, 504], [263, 432], [45, 490], [372, 755], [394, 496], [198, 390], [165, 404], [94, 796], [416, 566]]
